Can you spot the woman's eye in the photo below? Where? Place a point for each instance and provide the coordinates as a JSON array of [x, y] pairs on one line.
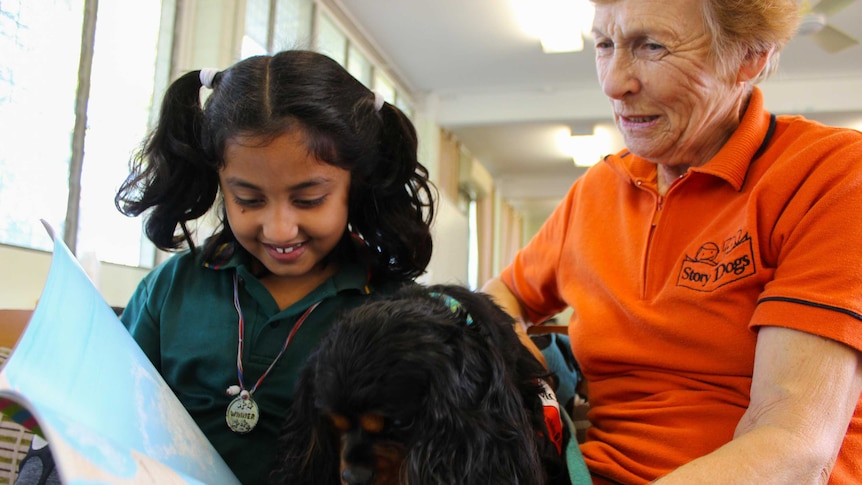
[[603, 44], [652, 49]]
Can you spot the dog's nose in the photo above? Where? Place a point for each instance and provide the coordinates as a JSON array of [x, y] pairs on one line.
[[357, 475]]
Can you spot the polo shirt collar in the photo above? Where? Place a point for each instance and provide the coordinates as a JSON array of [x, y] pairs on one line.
[[228, 256], [730, 163]]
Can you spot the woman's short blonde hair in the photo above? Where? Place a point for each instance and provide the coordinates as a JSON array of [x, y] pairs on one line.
[[740, 28]]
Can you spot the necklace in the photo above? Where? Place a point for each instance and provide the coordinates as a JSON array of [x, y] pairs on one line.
[[243, 413]]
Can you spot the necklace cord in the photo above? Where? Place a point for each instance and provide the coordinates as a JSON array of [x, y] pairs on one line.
[[241, 332]]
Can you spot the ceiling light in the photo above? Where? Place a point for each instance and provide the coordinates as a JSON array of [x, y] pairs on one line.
[[558, 42], [586, 150], [559, 24]]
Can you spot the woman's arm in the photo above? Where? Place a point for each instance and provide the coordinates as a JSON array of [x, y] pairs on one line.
[[804, 391], [502, 296]]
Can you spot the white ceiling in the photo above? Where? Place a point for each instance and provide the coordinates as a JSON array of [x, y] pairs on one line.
[[469, 66]]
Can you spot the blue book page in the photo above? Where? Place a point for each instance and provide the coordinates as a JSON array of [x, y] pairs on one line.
[[107, 413]]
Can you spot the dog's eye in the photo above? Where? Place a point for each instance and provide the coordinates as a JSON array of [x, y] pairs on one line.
[[341, 423], [400, 424]]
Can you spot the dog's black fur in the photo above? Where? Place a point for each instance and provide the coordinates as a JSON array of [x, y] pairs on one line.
[[403, 390]]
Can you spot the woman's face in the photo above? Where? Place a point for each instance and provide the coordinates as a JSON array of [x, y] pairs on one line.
[[670, 102], [285, 207]]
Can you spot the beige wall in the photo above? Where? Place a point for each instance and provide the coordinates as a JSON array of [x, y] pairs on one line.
[[25, 271]]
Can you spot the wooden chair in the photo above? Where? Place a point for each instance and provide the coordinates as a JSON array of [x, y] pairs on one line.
[[14, 438], [12, 324]]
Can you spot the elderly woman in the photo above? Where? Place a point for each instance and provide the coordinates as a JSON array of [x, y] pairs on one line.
[[713, 265]]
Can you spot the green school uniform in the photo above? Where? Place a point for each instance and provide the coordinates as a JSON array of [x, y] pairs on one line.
[[183, 317]]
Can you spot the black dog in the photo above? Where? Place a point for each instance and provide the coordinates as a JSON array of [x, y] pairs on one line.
[[427, 386]]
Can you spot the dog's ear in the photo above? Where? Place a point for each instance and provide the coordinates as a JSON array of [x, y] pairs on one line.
[[478, 429], [497, 327], [472, 453], [308, 450]]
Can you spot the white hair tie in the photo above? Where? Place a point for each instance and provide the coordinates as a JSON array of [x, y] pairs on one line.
[[207, 75], [378, 101]]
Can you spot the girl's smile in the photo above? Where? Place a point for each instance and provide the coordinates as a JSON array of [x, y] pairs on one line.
[[285, 207]]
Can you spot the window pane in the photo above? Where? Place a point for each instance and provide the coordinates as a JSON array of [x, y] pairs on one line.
[[292, 24], [40, 43], [254, 42], [405, 106], [121, 97], [330, 40], [384, 86], [359, 65]]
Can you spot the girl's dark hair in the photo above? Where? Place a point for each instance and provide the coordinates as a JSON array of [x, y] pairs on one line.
[[175, 174]]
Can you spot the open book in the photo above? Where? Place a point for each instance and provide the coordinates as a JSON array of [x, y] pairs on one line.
[[77, 378]]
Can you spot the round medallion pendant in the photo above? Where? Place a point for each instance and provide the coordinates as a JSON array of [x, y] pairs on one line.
[[242, 414]]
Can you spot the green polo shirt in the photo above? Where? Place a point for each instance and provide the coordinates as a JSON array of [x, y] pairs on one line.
[[183, 317]]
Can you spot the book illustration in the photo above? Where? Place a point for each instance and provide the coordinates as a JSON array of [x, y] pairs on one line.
[[107, 413]]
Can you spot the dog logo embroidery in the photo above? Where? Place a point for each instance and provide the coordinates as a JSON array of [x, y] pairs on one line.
[[717, 264]]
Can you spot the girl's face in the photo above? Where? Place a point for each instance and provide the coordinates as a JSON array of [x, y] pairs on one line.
[[285, 207]]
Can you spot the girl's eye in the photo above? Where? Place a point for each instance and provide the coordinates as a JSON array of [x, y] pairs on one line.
[[309, 203], [247, 202]]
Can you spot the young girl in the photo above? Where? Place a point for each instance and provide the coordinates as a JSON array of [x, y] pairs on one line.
[[321, 202]]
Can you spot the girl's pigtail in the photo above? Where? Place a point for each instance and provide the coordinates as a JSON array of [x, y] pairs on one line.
[[401, 207], [172, 174]]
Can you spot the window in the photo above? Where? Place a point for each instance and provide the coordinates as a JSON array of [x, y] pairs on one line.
[[256, 39], [292, 24], [118, 113], [473, 278], [331, 40], [359, 65], [40, 130], [384, 86], [53, 130], [37, 115], [275, 25]]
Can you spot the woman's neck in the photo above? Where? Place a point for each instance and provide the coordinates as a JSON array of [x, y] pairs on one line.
[[666, 175]]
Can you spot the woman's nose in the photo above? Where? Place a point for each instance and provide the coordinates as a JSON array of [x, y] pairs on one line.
[[618, 75]]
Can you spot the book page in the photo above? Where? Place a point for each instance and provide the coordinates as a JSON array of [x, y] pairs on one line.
[[107, 413]]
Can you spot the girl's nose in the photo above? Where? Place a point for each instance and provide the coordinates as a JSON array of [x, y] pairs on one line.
[[281, 224]]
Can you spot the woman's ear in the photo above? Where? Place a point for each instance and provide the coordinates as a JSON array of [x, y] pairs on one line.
[[753, 65]]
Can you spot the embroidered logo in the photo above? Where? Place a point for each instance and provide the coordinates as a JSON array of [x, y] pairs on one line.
[[715, 265]]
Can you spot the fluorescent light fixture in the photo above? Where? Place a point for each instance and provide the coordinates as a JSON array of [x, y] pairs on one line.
[[585, 150], [559, 42], [560, 25]]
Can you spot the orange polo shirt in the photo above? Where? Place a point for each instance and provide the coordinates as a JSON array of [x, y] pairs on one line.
[[668, 291]]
